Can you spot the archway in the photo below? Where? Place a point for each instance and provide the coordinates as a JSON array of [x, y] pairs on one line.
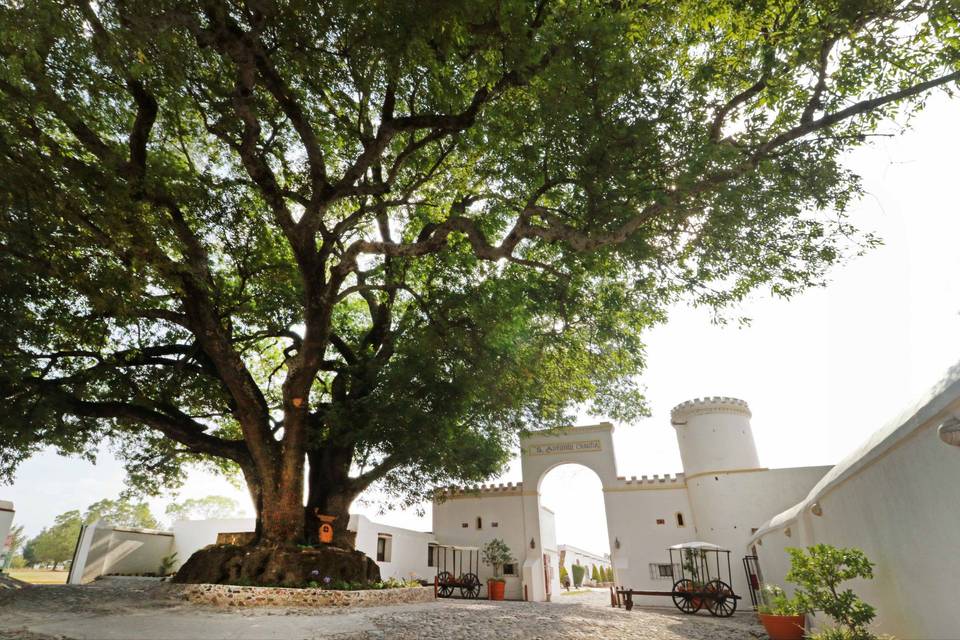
[[572, 496], [541, 452]]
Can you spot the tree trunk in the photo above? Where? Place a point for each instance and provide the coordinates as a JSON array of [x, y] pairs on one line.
[[330, 493], [280, 521]]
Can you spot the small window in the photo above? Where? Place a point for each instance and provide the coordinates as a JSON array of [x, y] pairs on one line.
[[431, 555], [510, 569], [494, 524], [465, 525], [383, 548], [680, 522], [661, 521], [479, 522], [661, 571]]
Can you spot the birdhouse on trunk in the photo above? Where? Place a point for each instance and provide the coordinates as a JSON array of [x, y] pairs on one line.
[[326, 528]]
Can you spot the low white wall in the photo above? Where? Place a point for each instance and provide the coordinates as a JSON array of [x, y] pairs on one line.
[[192, 535], [107, 550], [894, 498], [408, 548], [6, 522]]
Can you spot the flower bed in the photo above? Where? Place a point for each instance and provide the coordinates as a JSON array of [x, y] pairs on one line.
[[228, 595]]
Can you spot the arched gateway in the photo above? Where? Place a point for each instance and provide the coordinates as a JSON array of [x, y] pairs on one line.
[[723, 496], [590, 446]]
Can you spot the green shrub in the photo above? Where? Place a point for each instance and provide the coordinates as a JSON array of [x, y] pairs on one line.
[[818, 572], [166, 563], [578, 571], [773, 601], [564, 577], [496, 553], [610, 576], [595, 574]]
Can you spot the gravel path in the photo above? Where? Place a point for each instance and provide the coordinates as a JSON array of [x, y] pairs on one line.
[[148, 610]]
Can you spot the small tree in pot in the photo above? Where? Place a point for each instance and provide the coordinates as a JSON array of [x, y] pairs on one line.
[[496, 553]]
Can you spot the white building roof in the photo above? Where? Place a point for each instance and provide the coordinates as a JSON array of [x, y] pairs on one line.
[[697, 545], [942, 398], [6, 505]]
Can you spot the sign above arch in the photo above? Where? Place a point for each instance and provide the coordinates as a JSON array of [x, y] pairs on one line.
[[590, 446]]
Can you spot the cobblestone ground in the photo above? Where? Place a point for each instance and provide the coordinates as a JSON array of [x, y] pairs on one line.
[[151, 611]]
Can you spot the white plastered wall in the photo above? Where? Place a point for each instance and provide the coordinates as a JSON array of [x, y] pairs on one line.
[[895, 498], [6, 522], [503, 505], [104, 550], [408, 549]]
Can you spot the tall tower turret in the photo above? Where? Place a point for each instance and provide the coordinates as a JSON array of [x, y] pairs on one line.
[[714, 435]]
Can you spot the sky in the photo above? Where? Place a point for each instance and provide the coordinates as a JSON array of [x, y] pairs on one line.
[[821, 371]]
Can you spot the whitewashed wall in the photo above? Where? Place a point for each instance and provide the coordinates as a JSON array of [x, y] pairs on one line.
[[6, 522], [503, 506], [192, 535], [633, 508], [105, 550], [408, 548], [896, 499]]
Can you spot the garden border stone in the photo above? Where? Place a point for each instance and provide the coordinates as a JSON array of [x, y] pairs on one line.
[[229, 595]]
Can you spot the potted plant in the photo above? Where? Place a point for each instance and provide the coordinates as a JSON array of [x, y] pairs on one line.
[[496, 553], [784, 618]]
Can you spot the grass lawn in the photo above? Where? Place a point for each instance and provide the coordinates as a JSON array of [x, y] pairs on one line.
[[574, 592], [38, 576]]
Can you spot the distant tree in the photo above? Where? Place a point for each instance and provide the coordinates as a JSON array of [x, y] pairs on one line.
[[203, 508], [609, 575], [121, 513], [54, 545], [15, 538], [29, 553], [578, 571], [18, 562], [564, 577], [595, 574]]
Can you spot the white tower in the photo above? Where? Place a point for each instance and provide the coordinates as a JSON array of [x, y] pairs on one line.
[[714, 435]]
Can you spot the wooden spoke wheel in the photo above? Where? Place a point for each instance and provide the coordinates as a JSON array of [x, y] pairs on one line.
[[685, 596], [470, 585], [719, 599], [444, 584]]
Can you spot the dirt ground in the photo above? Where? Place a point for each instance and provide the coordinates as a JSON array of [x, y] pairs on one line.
[[146, 609]]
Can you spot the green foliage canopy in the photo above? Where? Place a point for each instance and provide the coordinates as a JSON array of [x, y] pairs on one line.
[[390, 235], [205, 507]]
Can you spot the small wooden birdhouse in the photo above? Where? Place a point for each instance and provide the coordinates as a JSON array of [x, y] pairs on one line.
[[326, 528]]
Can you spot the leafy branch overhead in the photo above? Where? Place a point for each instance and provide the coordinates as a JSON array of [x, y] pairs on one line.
[[386, 236]]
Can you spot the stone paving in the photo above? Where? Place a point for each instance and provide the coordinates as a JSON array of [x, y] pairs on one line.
[[147, 610]]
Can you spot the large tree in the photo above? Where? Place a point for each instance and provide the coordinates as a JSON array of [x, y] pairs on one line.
[[382, 237]]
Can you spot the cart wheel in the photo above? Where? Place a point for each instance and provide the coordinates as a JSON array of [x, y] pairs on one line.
[[444, 588], [470, 586], [684, 596], [720, 601]]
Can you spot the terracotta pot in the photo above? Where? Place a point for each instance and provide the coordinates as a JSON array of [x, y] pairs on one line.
[[783, 627], [495, 588]]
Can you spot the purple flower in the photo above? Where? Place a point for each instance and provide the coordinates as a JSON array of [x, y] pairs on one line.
[[315, 573], [326, 579]]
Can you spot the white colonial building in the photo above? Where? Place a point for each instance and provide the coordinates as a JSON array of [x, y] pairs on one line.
[[722, 496]]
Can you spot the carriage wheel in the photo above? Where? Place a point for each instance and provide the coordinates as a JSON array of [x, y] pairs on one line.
[[444, 588], [720, 601], [470, 586], [684, 598]]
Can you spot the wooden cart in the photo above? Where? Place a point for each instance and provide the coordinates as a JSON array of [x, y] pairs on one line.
[[447, 581], [700, 584]]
